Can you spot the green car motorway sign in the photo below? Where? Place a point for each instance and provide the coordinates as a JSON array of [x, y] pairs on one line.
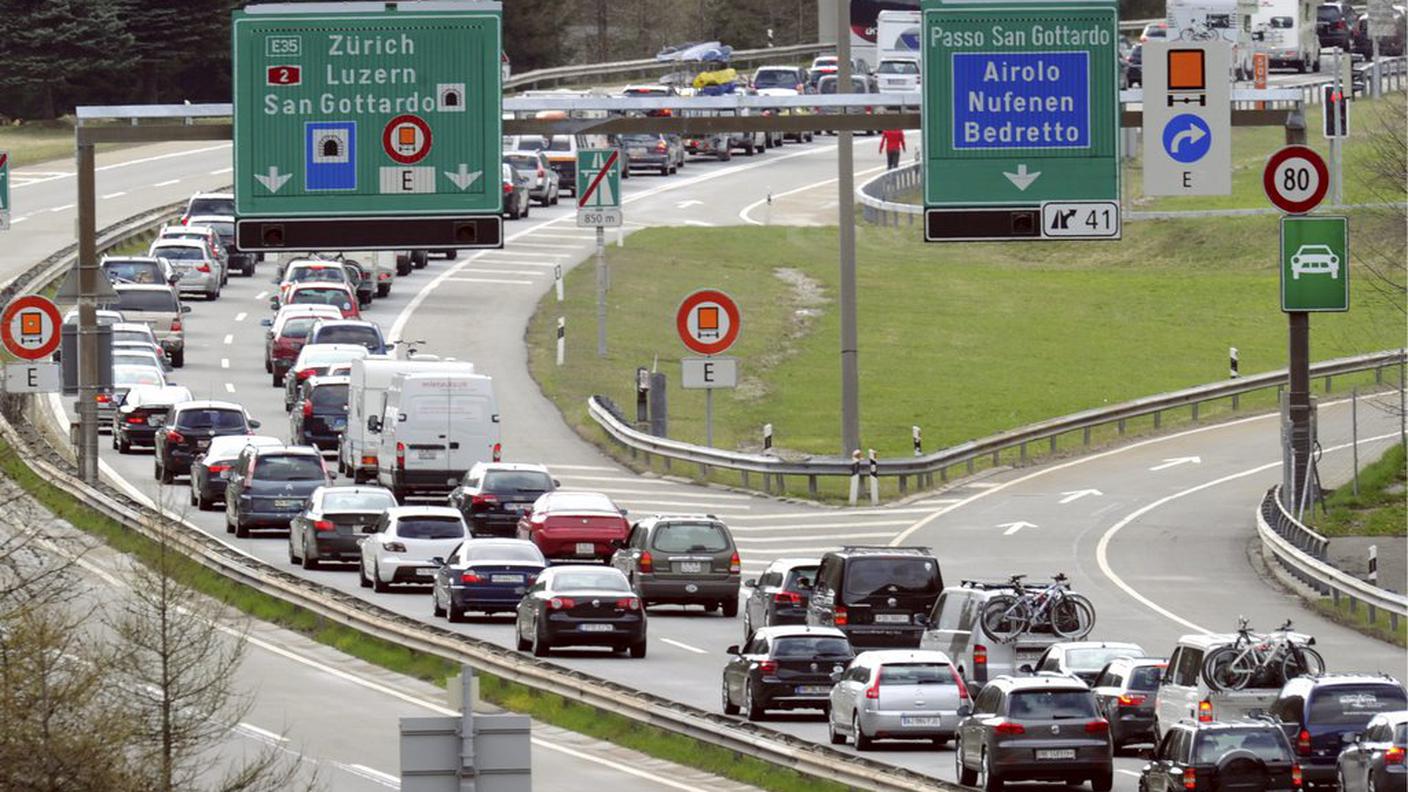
[[343, 113], [1314, 263], [1021, 109]]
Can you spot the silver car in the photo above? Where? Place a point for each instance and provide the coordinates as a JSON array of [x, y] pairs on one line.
[[897, 694], [199, 273]]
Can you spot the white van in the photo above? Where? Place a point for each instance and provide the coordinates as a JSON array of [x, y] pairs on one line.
[[1185, 693], [1205, 20], [433, 427], [1285, 31], [366, 398]]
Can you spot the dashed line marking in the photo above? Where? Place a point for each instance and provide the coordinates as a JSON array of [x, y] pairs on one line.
[[117, 194], [221, 171], [63, 208], [261, 295], [685, 646], [167, 183], [490, 280], [229, 387], [230, 338], [224, 362], [239, 317]]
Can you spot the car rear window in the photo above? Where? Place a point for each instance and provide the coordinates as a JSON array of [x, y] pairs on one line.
[[807, 646], [211, 419], [1051, 705], [321, 297], [330, 397], [288, 467], [590, 580], [1268, 744], [1353, 704], [214, 206], [313, 356], [1327, 13], [179, 253], [795, 576], [348, 334], [916, 674], [691, 538], [358, 501], [134, 271], [1145, 678], [522, 161], [147, 300], [128, 375], [131, 336], [225, 230], [775, 78], [640, 140], [517, 481], [581, 502], [316, 273], [429, 528], [495, 551], [297, 328], [898, 67], [865, 576], [1094, 659]]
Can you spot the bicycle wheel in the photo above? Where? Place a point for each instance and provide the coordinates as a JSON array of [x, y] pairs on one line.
[[1005, 617], [1228, 669], [1073, 617], [1301, 661]]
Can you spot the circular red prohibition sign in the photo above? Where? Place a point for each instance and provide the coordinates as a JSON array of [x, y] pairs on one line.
[[1296, 179], [708, 298], [48, 338], [397, 128]]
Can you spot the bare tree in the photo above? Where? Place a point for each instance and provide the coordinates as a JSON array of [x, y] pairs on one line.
[[1380, 241]]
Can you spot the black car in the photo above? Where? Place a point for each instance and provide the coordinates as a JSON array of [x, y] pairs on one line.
[[1321, 712], [1335, 24], [580, 605], [320, 416], [1134, 66], [334, 522], [493, 495], [877, 596], [1231, 755], [187, 430], [1390, 45], [224, 226], [780, 595], [269, 486], [141, 413], [784, 668], [486, 575], [210, 471], [1125, 693]]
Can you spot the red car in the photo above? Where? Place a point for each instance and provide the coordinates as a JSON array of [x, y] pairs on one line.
[[319, 293], [574, 526]]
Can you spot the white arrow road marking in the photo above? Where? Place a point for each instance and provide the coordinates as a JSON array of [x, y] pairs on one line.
[[1076, 495], [274, 180], [689, 203], [1021, 179], [1014, 527], [1192, 134], [463, 178], [1168, 463]]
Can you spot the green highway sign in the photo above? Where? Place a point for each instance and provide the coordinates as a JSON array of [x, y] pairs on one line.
[[4, 190], [1314, 263], [1021, 109], [344, 113], [598, 187]]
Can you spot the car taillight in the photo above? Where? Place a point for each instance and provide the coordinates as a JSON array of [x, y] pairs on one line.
[[1008, 727], [1204, 711], [400, 455], [980, 655], [303, 374], [1303, 743], [393, 547], [1339, 25], [1297, 777], [962, 686], [734, 564], [470, 577], [174, 436], [369, 459], [787, 598], [661, 147], [218, 469], [647, 564], [203, 267], [628, 603], [1132, 699], [175, 325], [1394, 755], [1097, 726], [136, 419], [561, 603], [873, 692], [1190, 778], [485, 499], [307, 408], [841, 618], [498, 451], [767, 667], [324, 525], [103, 398], [508, 188]]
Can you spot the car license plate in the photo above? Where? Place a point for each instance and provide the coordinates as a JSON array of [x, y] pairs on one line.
[[586, 548], [505, 578], [917, 721], [288, 503], [202, 444], [426, 453], [596, 628], [339, 424], [892, 618], [689, 566], [425, 573], [637, 152], [813, 690], [1056, 753]]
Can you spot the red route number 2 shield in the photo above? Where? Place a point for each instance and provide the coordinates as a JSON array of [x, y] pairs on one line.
[[708, 321]]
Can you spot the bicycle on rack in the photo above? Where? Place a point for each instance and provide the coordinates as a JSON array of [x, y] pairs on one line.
[[1260, 660], [1067, 614]]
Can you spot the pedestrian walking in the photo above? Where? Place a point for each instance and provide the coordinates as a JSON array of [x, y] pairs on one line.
[[892, 143]]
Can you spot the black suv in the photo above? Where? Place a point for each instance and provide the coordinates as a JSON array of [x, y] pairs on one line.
[[493, 495], [187, 430], [878, 596], [269, 485], [1335, 24], [141, 413], [1319, 712], [1233, 756], [320, 416]]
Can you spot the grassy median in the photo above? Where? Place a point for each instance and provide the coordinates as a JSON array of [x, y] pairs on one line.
[[1380, 508]]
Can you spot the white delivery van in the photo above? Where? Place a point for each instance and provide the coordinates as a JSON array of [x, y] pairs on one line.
[[366, 398], [1285, 31], [1209, 20], [433, 427]]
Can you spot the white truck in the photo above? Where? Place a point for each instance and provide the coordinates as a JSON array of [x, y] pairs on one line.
[[1285, 31], [1207, 20], [433, 427], [366, 399]]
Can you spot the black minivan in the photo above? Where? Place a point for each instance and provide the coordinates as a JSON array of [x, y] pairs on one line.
[[878, 596]]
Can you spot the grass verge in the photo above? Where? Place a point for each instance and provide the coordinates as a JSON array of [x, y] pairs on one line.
[[1381, 627], [1380, 508], [544, 707]]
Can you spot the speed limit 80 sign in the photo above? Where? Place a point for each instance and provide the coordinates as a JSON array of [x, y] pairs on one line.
[[1296, 179]]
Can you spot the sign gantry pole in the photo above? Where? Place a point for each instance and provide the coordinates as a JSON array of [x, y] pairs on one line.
[[845, 194], [87, 264]]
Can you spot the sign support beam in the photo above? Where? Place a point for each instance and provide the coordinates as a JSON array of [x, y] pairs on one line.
[[846, 218], [600, 291], [1299, 403], [87, 263]]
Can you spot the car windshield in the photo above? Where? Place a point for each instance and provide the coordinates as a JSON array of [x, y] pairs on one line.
[[126, 376], [329, 398], [131, 337], [289, 467], [807, 646], [866, 576], [691, 537], [322, 297], [775, 78], [1267, 744], [134, 271], [796, 575], [350, 334], [606, 581], [898, 67], [211, 419], [298, 327], [1095, 659], [429, 527], [357, 501], [581, 502], [916, 674], [214, 206], [1347, 705], [522, 161], [517, 481], [1145, 677], [145, 300], [179, 253], [1051, 705], [496, 551]]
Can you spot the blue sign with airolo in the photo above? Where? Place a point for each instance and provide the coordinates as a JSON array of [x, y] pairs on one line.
[[1021, 100]]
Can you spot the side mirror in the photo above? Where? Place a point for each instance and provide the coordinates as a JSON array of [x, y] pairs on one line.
[[733, 650], [964, 710], [624, 512], [437, 561], [556, 483], [750, 583], [1026, 668], [185, 309], [253, 424], [921, 619], [266, 323]]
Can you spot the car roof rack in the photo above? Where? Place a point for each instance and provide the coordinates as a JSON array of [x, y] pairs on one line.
[[987, 584], [885, 549]]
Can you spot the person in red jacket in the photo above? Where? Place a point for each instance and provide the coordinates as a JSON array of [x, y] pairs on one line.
[[892, 143]]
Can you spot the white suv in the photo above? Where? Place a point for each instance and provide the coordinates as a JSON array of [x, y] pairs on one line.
[[405, 540]]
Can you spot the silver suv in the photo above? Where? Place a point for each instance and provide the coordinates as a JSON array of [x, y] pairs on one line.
[[955, 628], [158, 307], [682, 559], [1042, 728]]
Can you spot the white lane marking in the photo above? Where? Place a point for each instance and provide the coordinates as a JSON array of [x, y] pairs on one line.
[[744, 529], [239, 317], [19, 219], [490, 280], [221, 171], [547, 264], [1102, 549], [167, 183], [796, 551], [1176, 461], [145, 160], [261, 295], [263, 734], [229, 387], [63, 208], [693, 495], [1076, 495], [685, 646], [224, 362], [375, 776], [745, 214], [117, 194], [623, 479], [693, 202], [1014, 527], [750, 540], [845, 516], [519, 272], [229, 338], [698, 223], [548, 245], [621, 768], [982, 485], [688, 507]]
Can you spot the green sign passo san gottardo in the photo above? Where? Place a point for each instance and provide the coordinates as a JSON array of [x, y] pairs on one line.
[[1314, 263], [378, 113], [1021, 103]]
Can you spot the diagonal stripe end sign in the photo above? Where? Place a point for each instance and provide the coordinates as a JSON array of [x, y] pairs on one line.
[[596, 181]]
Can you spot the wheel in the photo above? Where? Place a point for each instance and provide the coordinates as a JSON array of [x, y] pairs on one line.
[[362, 579], [452, 614], [638, 649], [965, 776], [193, 496], [987, 779], [863, 743], [420, 259], [833, 736], [1303, 66], [664, 170], [164, 473], [749, 149], [1073, 617], [242, 531], [727, 703], [1005, 617], [435, 609], [520, 642], [278, 380], [1302, 661], [939, 742], [309, 562], [541, 647], [383, 289], [268, 366], [750, 707], [123, 446], [710, 607], [527, 205], [1103, 781], [178, 359], [1226, 668], [379, 585], [730, 607]]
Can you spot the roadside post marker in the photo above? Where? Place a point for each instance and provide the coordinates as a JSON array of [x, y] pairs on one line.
[[855, 476], [767, 438], [557, 280], [918, 440], [1374, 565], [874, 479], [561, 340], [1232, 361]]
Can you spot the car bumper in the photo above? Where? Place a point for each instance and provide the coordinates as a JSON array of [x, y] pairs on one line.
[[265, 519], [487, 598], [438, 482], [171, 344], [337, 547], [1132, 727], [1019, 763], [504, 526], [892, 724], [1390, 778], [324, 441], [566, 550], [570, 633], [784, 695], [655, 590], [203, 285], [896, 636], [1318, 771], [405, 570], [648, 160], [213, 488], [178, 460]]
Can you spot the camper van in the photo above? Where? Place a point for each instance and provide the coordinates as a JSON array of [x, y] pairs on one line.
[[433, 427], [1285, 31], [366, 398], [1208, 20]]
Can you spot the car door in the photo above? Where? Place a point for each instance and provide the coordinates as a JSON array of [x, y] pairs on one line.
[[753, 653], [1157, 779], [626, 558], [527, 608], [976, 728]]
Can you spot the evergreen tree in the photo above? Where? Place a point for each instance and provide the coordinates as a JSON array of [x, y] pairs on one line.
[[53, 47]]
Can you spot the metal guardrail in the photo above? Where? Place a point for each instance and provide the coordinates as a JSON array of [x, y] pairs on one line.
[[774, 469], [559, 74], [1301, 552]]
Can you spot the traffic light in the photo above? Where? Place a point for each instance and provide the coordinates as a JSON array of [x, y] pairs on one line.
[[1336, 112]]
